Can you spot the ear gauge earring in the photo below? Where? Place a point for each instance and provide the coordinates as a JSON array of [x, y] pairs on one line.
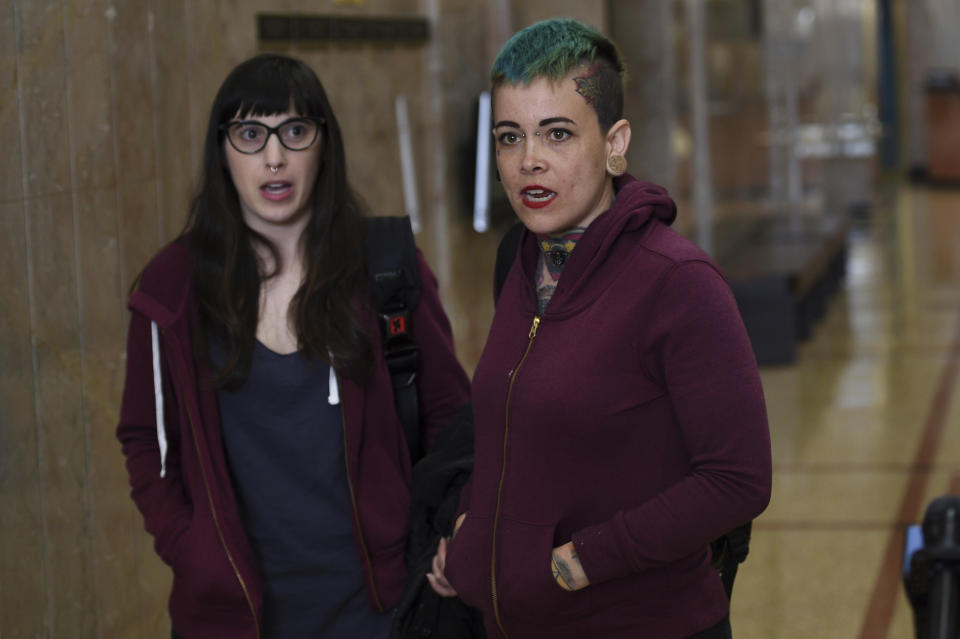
[[617, 164]]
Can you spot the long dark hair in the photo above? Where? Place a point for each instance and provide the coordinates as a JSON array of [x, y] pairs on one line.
[[227, 273]]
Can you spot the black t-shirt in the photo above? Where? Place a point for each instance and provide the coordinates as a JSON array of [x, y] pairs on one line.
[[285, 445]]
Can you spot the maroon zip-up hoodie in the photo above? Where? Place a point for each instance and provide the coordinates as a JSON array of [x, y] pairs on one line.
[[192, 510], [629, 418]]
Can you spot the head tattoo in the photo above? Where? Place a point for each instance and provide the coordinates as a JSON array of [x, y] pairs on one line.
[[588, 85]]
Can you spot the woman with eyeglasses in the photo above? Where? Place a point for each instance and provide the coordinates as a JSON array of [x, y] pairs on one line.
[[620, 421], [258, 419]]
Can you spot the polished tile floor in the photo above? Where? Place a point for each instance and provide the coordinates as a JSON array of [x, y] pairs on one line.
[[865, 429], [865, 426]]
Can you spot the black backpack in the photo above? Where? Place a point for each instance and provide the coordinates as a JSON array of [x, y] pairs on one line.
[[728, 551], [438, 476]]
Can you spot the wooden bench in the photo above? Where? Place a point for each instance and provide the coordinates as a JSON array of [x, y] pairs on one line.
[[783, 270]]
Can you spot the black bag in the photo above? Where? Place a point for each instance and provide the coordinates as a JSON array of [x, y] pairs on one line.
[[730, 550], [438, 477]]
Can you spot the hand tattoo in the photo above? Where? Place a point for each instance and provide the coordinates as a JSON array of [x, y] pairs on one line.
[[562, 572]]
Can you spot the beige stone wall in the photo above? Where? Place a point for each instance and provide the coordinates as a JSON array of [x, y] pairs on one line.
[[104, 106]]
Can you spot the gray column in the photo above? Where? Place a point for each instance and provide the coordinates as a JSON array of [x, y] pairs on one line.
[[701, 178], [499, 27], [643, 31], [781, 53]]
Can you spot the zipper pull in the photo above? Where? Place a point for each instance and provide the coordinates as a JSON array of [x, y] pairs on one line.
[[533, 329]]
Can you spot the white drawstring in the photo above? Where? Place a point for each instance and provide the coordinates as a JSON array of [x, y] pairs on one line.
[[334, 396], [158, 398]]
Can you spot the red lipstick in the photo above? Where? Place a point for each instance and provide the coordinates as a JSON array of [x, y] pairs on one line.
[[536, 196]]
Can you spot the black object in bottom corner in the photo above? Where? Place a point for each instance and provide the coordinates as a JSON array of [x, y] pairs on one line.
[[931, 574]]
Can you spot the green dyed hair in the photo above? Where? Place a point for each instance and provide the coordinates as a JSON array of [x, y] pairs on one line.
[[552, 49]]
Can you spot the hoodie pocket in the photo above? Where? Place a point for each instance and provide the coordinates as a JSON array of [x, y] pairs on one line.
[[202, 574], [525, 585], [468, 561]]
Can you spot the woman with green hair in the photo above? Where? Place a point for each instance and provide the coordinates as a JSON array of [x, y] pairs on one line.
[[620, 419]]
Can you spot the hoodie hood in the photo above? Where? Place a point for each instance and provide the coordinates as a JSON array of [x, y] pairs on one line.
[[638, 202], [637, 205], [165, 288]]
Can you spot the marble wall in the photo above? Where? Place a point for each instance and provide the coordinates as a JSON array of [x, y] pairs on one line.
[[103, 105], [86, 193]]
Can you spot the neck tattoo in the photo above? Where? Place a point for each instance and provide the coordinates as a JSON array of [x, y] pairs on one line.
[[555, 251]]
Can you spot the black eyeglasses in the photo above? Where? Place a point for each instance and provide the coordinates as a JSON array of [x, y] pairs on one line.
[[250, 136]]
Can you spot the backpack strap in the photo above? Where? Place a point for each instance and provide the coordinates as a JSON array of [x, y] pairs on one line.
[[506, 254], [395, 289]]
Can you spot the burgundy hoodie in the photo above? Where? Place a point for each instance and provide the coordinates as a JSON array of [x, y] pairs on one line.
[[630, 419], [191, 510]]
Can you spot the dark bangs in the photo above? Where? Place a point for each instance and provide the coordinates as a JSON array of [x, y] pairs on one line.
[[267, 85]]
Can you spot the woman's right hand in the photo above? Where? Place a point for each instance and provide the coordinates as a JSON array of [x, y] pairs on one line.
[[436, 577]]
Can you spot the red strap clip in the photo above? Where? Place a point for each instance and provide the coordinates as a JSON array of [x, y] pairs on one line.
[[398, 325]]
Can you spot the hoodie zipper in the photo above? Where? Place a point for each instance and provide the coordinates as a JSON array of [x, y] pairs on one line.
[[356, 513], [503, 471], [213, 512]]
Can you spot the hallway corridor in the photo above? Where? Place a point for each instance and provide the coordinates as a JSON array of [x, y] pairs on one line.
[[865, 425], [865, 430]]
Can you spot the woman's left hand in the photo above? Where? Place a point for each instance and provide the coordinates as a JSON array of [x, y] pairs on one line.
[[567, 569]]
